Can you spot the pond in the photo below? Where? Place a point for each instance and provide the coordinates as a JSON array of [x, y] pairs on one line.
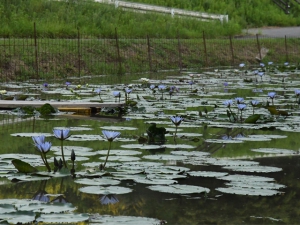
[[216, 147]]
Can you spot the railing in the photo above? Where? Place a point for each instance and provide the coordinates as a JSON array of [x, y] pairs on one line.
[[23, 59], [160, 9], [284, 5]]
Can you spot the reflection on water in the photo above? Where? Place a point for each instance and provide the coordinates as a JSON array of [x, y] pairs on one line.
[[109, 199], [210, 208]]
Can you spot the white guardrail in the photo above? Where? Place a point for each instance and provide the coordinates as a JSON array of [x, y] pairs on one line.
[[161, 9]]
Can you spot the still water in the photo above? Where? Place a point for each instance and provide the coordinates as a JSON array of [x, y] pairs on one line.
[[249, 172]]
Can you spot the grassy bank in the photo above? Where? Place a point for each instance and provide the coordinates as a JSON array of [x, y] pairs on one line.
[[51, 59]]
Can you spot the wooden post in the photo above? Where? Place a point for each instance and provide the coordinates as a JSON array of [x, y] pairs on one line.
[[149, 54], [231, 49], [36, 53], [118, 52], [286, 49], [258, 46], [205, 52], [78, 49], [179, 53]]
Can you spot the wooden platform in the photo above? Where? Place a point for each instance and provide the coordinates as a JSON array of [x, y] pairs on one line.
[[8, 104]]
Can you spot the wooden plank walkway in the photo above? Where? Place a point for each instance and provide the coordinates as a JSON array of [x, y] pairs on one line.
[[10, 104]]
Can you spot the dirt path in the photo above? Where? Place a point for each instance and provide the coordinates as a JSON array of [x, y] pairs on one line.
[[274, 31]]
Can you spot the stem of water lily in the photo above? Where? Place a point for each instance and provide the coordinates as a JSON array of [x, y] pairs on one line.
[[62, 154], [46, 162], [107, 155], [42, 156]]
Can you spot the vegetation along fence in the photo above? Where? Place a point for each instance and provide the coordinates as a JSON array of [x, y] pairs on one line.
[[50, 59]]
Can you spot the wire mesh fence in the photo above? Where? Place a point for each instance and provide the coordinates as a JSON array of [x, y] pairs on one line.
[[50, 59]]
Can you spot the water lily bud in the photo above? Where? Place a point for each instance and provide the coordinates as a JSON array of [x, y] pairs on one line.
[[73, 155]]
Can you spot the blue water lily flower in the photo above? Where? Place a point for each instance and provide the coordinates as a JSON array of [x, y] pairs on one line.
[[44, 147], [228, 103], [111, 135], [241, 107], [38, 139], [272, 95], [239, 100], [61, 134], [176, 120], [161, 87]]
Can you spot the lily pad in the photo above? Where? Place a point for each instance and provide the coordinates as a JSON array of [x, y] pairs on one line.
[[121, 158], [119, 152], [124, 220], [179, 189], [63, 218], [248, 191], [206, 174], [118, 128], [97, 181], [165, 157], [99, 190]]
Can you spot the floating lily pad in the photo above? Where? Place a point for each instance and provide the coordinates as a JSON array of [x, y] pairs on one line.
[[121, 158], [117, 128], [165, 157], [86, 137], [74, 128], [31, 134], [206, 174], [254, 169], [63, 218], [99, 190], [141, 146], [97, 181], [179, 189], [119, 152], [20, 217], [179, 146], [248, 191], [239, 177], [124, 220], [275, 151], [70, 148]]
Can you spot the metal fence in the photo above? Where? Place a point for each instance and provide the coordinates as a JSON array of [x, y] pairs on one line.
[[49, 59]]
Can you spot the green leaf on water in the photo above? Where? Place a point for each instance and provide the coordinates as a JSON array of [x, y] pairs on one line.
[[23, 167], [252, 118]]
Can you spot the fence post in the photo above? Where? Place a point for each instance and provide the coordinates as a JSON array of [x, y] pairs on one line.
[[149, 53], [205, 52], [36, 52], [286, 49], [258, 46], [231, 49], [179, 53], [118, 52], [79, 57]]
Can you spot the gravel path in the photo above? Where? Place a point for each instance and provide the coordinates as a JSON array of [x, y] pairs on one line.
[[274, 31]]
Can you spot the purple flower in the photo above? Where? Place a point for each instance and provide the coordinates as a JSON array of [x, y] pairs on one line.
[[61, 134], [239, 100], [98, 91], [44, 147], [152, 86], [242, 106], [68, 83], [262, 64], [161, 87], [117, 94], [128, 91], [38, 139], [176, 120], [228, 103], [108, 199], [45, 85], [272, 95], [111, 135], [254, 102], [242, 65]]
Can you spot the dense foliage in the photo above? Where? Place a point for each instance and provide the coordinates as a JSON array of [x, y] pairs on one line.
[[64, 18]]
